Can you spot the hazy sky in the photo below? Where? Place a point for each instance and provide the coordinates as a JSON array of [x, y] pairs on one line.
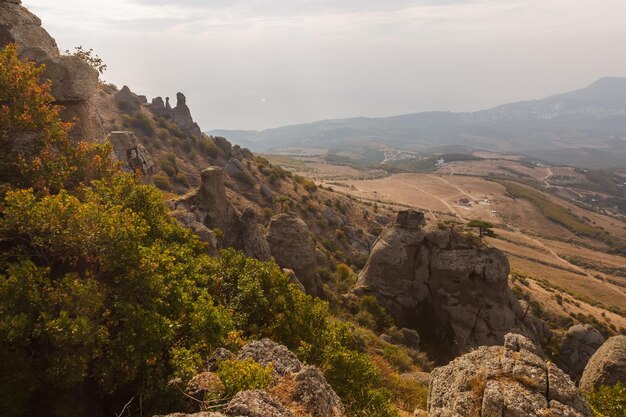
[[263, 63]]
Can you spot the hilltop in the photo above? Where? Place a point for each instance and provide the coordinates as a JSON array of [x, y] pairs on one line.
[[582, 128]]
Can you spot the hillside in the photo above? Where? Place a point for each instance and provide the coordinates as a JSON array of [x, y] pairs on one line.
[[149, 268], [583, 128]]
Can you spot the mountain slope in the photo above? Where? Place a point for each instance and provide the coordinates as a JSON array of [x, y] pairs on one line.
[[583, 128]]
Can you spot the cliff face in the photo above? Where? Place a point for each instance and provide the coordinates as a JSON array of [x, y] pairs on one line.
[[451, 289]]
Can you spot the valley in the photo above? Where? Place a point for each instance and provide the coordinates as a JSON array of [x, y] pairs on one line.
[[554, 258]]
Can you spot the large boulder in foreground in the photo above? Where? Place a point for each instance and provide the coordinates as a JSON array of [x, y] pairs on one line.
[[451, 288], [496, 381], [607, 366], [292, 247], [296, 391]]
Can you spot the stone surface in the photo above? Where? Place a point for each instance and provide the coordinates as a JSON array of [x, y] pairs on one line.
[[267, 352], [74, 81], [219, 355], [131, 153], [451, 289], [256, 403], [127, 101], [179, 115], [293, 248], [607, 366], [578, 345], [315, 394], [498, 381], [205, 234], [210, 207]]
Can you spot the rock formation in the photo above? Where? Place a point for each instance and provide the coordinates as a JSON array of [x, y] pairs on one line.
[[292, 247], [578, 345], [127, 101], [179, 115], [297, 390], [451, 289], [131, 153], [211, 208], [607, 366], [498, 381], [74, 81]]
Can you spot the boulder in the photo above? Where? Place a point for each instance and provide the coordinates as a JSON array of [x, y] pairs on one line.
[[315, 395], [498, 381], [131, 153], [256, 403], [253, 242], [296, 390], [578, 345], [205, 234], [451, 289], [266, 352], [607, 366], [21, 27], [293, 248], [238, 171]]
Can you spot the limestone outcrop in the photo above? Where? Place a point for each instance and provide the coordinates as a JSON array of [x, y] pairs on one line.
[[292, 247], [179, 115], [450, 288], [133, 155], [497, 381], [211, 208], [296, 390], [127, 101], [607, 366], [74, 81], [577, 347]]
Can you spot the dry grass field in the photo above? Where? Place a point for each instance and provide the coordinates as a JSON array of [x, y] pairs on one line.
[[556, 260]]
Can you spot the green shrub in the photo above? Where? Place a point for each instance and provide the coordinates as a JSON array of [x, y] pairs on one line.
[[608, 401], [398, 357], [143, 123], [162, 182], [242, 375]]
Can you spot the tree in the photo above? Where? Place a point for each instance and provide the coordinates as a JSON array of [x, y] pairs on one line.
[[449, 224], [484, 228], [89, 57]]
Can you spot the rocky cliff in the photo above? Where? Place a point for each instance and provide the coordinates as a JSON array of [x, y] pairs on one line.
[[74, 82], [451, 288]]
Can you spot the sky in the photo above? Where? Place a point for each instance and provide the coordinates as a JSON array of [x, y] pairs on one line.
[[255, 64]]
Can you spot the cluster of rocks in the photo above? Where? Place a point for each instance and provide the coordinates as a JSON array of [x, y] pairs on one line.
[[74, 81], [132, 154], [451, 289], [296, 389], [510, 380], [607, 366], [287, 240], [179, 115], [208, 208]]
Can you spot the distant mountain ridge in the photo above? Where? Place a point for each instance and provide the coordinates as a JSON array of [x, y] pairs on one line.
[[585, 127]]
